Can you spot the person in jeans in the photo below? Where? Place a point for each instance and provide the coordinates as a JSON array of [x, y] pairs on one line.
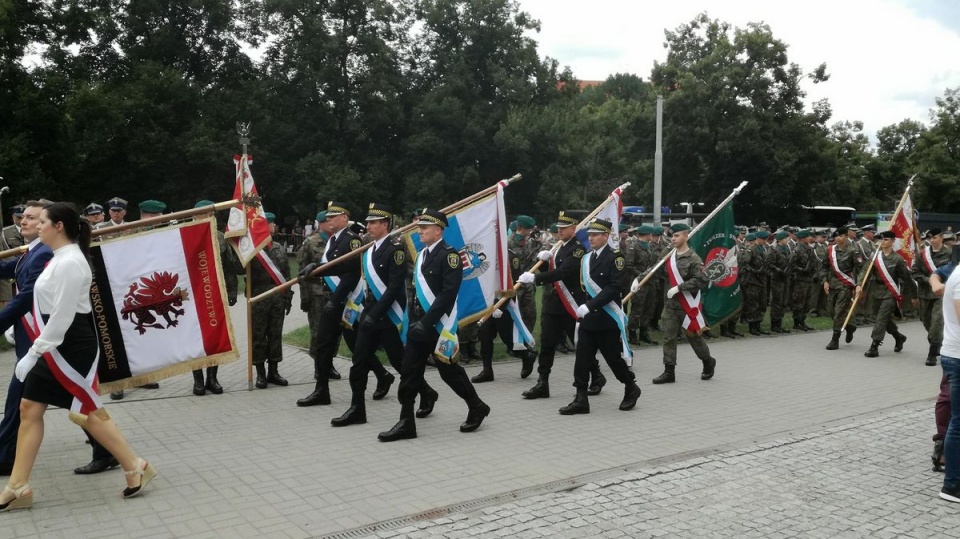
[[950, 361]]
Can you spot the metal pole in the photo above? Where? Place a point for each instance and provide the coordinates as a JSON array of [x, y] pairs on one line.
[[658, 165]]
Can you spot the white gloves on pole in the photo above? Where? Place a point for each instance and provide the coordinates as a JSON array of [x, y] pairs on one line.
[[526, 278], [545, 256], [635, 285], [497, 313], [582, 311], [673, 291]]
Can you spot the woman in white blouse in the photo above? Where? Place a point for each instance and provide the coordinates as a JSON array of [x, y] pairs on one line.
[[60, 367]]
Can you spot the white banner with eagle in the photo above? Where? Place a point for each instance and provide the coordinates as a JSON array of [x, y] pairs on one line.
[[160, 304]]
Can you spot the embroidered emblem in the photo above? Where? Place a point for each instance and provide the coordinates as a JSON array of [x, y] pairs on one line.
[[152, 297], [399, 257], [619, 263], [454, 260]]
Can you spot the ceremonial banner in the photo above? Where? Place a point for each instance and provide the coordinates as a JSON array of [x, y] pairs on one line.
[[716, 244], [247, 225], [904, 225], [611, 211], [160, 305]]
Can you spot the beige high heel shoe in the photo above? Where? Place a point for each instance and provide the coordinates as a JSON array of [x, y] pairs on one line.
[[20, 500], [146, 473]]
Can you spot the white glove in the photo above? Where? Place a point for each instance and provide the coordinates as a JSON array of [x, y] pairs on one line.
[[526, 278], [545, 256], [673, 291], [582, 311], [9, 335], [635, 285], [497, 313], [25, 365]]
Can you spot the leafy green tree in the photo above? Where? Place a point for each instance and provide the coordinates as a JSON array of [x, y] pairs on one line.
[[936, 156]]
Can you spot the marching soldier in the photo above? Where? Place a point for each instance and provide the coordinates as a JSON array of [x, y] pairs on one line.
[[778, 265], [689, 278], [931, 257], [432, 318], [805, 270], [339, 282], [841, 266], [267, 315], [313, 293], [889, 274], [601, 320]]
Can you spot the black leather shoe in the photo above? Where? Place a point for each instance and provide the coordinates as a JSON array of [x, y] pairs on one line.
[[334, 373], [405, 429], [426, 404], [116, 395], [261, 382], [898, 341], [150, 386], [318, 397], [383, 386], [198, 387], [630, 395], [97, 466], [475, 418], [353, 416], [528, 360], [708, 367], [597, 386], [849, 338], [213, 385], [484, 376], [580, 405], [540, 391], [667, 377], [273, 376]]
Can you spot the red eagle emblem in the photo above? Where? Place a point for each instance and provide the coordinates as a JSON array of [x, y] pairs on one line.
[[153, 297]]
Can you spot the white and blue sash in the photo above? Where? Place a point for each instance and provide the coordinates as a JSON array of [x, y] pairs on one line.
[[376, 285], [447, 345], [612, 308], [522, 338]]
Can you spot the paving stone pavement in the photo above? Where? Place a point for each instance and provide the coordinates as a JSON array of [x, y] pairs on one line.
[[252, 464]]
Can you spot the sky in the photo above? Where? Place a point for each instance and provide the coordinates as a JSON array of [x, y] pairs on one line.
[[888, 60]]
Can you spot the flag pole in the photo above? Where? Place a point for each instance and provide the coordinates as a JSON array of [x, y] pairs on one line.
[[696, 229], [244, 131], [161, 219], [485, 315], [866, 274], [402, 230]]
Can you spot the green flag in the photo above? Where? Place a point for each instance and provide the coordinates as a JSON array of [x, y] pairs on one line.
[[716, 244]]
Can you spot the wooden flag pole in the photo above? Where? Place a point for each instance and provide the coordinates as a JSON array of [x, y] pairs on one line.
[[244, 131], [161, 219], [355, 252], [664, 258], [866, 274], [485, 315]]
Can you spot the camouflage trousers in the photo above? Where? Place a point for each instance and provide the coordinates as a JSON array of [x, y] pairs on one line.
[[931, 314], [267, 329], [801, 304], [672, 326], [778, 299], [838, 305], [884, 310], [527, 302], [754, 301], [641, 309]]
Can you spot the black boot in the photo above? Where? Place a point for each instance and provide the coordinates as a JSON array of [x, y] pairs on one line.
[[486, 375], [937, 456], [213, 385], [801, 324], [633, 337], [580, 405], [198, 388], [725, 332], [320, 395], [428, 397], [469, 352], [775, 326], [261, 382], [834, 341], [539, 391], [334, 373], [529, 359], [475, 417], [898, 340], [631, 393], [599, 380], [932, 355], [668, 376], [849, 337], [273, 375], [405, 429], [383, 386], [873, 351], [709, 366], [355, 415], [754, 328]]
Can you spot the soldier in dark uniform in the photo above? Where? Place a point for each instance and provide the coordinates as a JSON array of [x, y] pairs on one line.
[[558, 318], [778, 265], [690, 268], [841, 265], [888, 276], [931, 257], [753, 272], [602, 277], [340, 281], [267, 315], [438, 272], [231, 268], [384, 273], [806, 268]]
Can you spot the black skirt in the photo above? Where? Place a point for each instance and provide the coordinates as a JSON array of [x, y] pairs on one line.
[[79, 349]]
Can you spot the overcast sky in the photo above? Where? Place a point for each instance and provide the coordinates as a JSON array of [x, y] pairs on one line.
[[887, 59]]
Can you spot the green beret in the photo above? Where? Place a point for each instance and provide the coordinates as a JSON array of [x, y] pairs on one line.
[[203, 204], [152, 206], [553, 229], [805, 233], [321, 216], [270, 217], [525, 221], [679, 227], [623, 227], [751, 236], [512, 225], [643, 229], [762, 235], [781, 235]]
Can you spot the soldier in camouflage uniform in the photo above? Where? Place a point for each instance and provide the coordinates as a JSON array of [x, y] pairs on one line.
[[11, 239], [661, 246], [864, 311], [313, 295], [778, 266], [818, 296], [631, 256], [753, 271], [267, 315], [805, 269], [889, 269], [641, 304], [526, 248], [931, 257], [841, 265]]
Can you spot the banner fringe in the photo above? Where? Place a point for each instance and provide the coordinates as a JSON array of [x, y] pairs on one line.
[[167, 372]]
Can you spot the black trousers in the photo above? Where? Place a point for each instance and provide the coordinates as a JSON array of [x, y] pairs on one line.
[[553, 329], [365, 358], [411, 374], [607, 342], [502, 326], [327, 339]]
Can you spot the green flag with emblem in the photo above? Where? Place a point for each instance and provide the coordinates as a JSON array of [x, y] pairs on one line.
[[716, 244]]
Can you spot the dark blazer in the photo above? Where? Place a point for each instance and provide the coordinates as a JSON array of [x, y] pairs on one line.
[[607, 272], [443, 271], [567, 269], [390, 263], [349, 271], [25, 269]]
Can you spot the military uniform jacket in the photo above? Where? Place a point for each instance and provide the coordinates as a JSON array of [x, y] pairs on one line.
[[526, 248], [753, 264], [260, 280], [804, 263], [349, 271], [606, 270], [12, 237], [230, 265], [443, 272], [921, 273], [849, 261], [567, 269], [778, 262], [310, 252], [690, 267], [390, 263], [897, 268]]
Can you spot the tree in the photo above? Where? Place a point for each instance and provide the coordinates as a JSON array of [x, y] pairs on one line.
[[936, 156]]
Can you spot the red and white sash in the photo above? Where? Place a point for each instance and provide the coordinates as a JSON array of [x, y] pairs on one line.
[[566, 298], [270, 267], [693, 321], [927, 256], [887, 279], [86, 399], [837, 272]]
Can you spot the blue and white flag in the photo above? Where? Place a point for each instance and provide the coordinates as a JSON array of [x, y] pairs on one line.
[[611, 211]]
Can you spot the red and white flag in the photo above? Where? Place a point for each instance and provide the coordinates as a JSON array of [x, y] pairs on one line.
[[904, 225], [159, 304], [247, 226]]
